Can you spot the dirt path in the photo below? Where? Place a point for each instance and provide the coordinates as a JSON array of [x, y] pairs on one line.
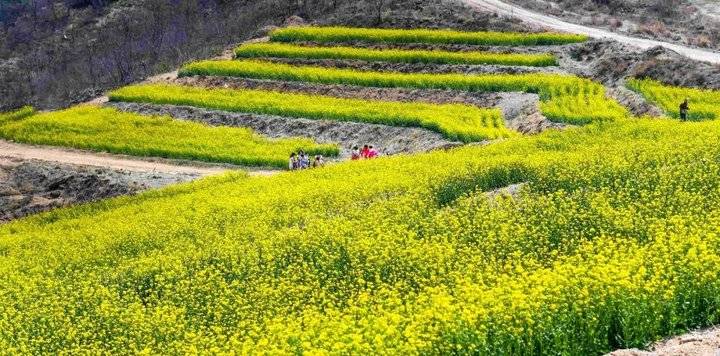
[[697, 343], [504, 9], [120, 162]]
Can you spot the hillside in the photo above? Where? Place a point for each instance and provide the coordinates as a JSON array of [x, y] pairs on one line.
[[54, 54], [521, 192], [689, 22]]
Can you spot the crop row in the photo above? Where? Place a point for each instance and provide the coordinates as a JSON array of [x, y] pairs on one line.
[[456, 121], [109, 130], [17, 114], [704, 104], [282, 50], [403, 255], [564, 98], [400, 36]]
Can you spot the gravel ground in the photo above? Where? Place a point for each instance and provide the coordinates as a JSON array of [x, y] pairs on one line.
[[31, 186], [697, 343]]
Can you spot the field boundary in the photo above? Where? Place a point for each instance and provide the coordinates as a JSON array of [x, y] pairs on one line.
[[114, 161]]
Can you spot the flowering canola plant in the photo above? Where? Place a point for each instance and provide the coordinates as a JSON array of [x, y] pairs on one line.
[[462, 122], [704, 103], [605, 245], [284, 50], [110, 130], [564, 98], [402, 36]]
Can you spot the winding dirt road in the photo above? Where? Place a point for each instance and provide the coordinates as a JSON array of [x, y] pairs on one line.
[[120, 162], [553, 23]]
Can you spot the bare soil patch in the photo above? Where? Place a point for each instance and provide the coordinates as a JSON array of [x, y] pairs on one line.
[[106, 160], [29, 186], [611, 62], [687, 22], [417, 67], [697, 343]]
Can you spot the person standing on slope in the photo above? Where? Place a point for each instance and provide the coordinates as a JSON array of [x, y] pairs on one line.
[[355, 155], [684, 108], [318, 162], [304, 160], [293, 162], [365, 151], [372, 152]]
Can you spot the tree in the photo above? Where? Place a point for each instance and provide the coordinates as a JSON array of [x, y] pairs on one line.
[[379, 8]]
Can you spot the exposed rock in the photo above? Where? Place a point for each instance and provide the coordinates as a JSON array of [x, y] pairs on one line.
[[637, 105], [611, 63], [697, 343], [31, 186]]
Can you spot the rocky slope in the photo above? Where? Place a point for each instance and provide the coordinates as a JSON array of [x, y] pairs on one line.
[[52, 55], [688, 22], [31, 186]]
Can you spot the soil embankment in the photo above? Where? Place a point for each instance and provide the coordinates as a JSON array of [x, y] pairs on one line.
[[389, 139], [29, 186]]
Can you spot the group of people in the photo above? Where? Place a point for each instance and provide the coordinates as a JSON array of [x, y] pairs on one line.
[[368, 151], [301, 160]]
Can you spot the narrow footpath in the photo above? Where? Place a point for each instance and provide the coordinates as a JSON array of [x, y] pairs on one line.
[[113, 161]]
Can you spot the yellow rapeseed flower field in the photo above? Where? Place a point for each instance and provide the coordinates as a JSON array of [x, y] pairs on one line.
[[456, 121], [605, 245], [402, 36], [565, 98], [284, 50], [109, 130], [569, 242], [704, 104]]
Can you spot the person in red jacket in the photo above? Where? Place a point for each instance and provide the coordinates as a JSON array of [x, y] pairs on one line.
[[365, 151], [372, 153]]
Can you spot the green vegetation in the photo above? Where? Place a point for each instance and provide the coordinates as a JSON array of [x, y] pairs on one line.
[[611, 241], [607, 245], [282, 50], [398, 36], [564, 98], [17, 114], [107, 129], [456, 121], [704, 104]]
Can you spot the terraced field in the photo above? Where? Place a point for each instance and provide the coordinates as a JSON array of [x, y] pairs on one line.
[[280, 50], [705, 104], [566, 242], [459, 122], [376, 35], [106, 129], [565, 98]]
